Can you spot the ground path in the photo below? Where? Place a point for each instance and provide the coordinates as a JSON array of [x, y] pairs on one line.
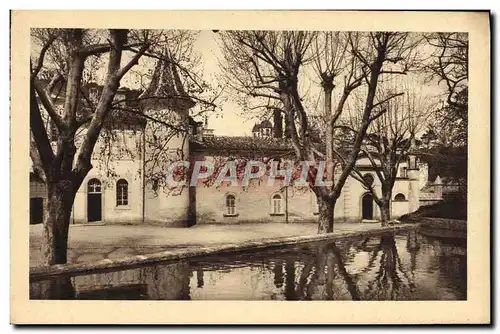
[[94, 243]]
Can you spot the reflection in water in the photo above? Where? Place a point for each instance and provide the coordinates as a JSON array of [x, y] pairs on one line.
[[389, 267], [290, 280], [199, 278], [57, 288], [161, 282], [278, 274], [391, 281]]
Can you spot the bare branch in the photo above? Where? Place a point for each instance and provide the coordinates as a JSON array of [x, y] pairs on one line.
[[133, 61], [48, 105], [41, 57]]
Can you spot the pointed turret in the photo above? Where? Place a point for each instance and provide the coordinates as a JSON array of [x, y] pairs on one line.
[[412, 155], [414, 178], [166, 91], [166, 99]]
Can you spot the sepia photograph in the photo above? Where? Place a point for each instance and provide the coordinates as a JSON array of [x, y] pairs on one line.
[[253, 164]]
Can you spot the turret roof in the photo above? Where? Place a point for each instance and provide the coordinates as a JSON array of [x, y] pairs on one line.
[[266, 124], [166, 89], [256, 127]]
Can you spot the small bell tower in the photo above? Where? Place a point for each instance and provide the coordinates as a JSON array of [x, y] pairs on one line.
[[413, 173], [166, 99]]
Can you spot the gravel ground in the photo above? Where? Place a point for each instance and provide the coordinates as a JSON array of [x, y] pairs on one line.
[[92, 243]]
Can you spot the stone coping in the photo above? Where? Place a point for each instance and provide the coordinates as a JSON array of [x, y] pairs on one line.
[[47, 272], [444, 223]]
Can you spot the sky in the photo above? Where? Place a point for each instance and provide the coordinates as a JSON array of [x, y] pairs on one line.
[[230, 120], [231, 123]]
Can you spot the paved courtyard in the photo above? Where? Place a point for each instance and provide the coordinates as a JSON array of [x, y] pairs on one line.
[[89, 243]]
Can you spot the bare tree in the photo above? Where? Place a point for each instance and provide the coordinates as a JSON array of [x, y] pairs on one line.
[[64, 169], [448, 65], [64, 63], [389, 140], [267, 66]]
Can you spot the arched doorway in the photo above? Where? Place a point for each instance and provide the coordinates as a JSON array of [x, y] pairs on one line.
[[367, 206], [94, 201]]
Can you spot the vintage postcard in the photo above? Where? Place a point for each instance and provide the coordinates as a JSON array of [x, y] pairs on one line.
[[250, 167]]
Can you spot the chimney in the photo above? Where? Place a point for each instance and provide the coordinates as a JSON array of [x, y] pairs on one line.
[[199, 131], [438, 187]]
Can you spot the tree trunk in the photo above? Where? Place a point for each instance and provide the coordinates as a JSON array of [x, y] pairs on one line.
[[385, 212], [325, 220], [327, 90], [278, 123], [56, 224], [55, 288]]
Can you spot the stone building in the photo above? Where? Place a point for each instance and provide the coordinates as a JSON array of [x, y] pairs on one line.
[[124, 188], [260, 202]]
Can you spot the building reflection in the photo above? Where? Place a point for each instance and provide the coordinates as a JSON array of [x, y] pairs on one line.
[[363, 269], [60, 288], [279, 276], [161, 282]]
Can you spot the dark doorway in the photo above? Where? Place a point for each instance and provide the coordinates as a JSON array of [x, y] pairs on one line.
[[367, 206], [36, 210], [94, 201]]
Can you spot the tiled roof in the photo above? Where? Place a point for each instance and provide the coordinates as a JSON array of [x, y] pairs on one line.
[[129, 118], [34, 177], [226, 144], [262, 125], [120, 119], [266, 124], [256, 128]]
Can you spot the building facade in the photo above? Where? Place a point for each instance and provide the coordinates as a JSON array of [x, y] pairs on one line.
[[124, 185]]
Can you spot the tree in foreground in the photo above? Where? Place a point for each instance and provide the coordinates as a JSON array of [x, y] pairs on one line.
[[389, 140], [446, 137], [274, 69], [68, 61]]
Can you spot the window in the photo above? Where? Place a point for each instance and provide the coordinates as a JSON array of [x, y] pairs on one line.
[[94, 93], [412, 162], [94, 186], [402, 172], [154, 185], [368, 178], [399, 198], [121, 192], [277, 207], [230, 205]]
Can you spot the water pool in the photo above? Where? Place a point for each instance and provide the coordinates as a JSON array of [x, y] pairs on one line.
[[403, 266]]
